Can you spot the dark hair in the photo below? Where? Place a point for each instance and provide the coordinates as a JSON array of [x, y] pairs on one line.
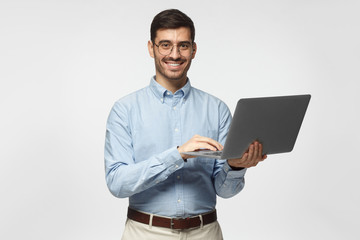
[[171, 19]]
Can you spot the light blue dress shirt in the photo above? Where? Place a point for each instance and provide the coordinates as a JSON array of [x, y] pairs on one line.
[[141, 157]]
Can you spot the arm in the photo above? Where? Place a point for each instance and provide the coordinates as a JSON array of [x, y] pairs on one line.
[[227, 181], [230, 180], [229, 175], [125, 176]]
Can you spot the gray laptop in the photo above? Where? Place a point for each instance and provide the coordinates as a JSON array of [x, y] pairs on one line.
[[273, 121]]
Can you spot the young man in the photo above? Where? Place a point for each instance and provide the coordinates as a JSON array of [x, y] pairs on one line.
[[171, 195]]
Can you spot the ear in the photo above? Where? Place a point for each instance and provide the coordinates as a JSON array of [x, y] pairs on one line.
[[194, 50], [151, 48]]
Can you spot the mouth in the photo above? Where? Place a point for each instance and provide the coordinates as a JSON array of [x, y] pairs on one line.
[[174, 65]]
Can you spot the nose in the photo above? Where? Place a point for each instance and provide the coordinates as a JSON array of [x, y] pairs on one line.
[[175, 52]]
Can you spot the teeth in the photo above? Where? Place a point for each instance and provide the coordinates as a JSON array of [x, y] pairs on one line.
[[174, 64]]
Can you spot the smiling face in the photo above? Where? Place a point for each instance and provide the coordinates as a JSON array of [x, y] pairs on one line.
[[171, 70]]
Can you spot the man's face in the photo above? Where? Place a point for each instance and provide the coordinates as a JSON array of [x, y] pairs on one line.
[[174, 66]]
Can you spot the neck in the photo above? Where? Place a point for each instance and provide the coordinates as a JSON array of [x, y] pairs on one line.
[[171, 85]]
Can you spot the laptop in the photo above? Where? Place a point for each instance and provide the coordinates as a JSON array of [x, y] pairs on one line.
[[273, 121]]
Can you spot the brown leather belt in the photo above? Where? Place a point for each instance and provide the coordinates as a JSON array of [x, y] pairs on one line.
[[173, 223]]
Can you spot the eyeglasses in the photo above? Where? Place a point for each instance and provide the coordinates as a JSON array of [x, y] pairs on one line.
[[165, 48]]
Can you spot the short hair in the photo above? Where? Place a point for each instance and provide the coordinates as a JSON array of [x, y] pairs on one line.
[[171, 19]]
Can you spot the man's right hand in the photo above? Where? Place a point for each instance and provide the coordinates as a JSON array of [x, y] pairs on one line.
[[198, 142]]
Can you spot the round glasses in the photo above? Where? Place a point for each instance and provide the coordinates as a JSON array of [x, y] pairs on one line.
[[165, 48]]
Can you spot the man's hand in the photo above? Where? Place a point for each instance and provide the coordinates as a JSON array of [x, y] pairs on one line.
[[198, 142], [250, 158]]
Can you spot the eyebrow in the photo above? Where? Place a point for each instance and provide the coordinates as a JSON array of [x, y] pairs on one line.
[[168, 41]]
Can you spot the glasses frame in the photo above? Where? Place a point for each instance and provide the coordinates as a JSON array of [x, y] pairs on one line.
[[178, 49]]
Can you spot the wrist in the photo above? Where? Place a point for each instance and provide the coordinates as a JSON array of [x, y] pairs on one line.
[[182, 156], [234, 167]]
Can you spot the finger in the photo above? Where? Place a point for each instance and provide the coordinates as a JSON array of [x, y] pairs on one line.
[[221, 147], [211, 141], [194, 146], [256, 156], [260, 150], [244, 159], [251, 152], [215, 144], [256, 151], [205, 145], [248, 160]]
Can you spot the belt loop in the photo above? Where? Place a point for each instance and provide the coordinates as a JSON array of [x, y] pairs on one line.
[[151, 220], [202, 222]]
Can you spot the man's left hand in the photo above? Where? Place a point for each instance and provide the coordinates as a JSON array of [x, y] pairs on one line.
[[250, 158]]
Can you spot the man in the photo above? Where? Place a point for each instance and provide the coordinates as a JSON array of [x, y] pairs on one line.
[[171, 195]]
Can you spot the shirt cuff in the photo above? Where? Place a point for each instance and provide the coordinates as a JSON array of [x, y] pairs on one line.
[[173, 159], [233, 173]]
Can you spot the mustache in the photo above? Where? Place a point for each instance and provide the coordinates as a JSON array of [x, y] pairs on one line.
[[179, 59]]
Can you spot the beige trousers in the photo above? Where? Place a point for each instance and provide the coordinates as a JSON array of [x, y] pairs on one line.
[[139, 231]]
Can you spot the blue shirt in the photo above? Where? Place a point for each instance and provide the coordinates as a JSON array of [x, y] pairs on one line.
[[141, 157]]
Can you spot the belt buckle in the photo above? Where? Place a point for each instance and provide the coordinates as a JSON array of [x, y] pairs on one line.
[[172, 224], [184, 223]]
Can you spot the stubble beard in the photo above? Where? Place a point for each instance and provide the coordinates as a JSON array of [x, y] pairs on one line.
[[168, 74]]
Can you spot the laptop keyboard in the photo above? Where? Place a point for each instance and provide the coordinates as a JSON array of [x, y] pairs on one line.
[[212, 153]]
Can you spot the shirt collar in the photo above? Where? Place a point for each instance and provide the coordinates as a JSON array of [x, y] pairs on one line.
[[160, 91]]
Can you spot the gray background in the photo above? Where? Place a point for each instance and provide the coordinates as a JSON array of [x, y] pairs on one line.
[[64, 63]]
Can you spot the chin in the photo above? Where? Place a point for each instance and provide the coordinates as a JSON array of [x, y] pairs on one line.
[[176, 78]]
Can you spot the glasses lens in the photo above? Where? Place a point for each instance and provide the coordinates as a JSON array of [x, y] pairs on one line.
[[166, 48]]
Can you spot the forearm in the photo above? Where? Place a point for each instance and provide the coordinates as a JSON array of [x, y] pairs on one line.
[[228, 182], [126, 179]]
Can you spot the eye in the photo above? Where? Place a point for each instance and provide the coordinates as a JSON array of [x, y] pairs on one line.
[[165, 45], [184, 46]]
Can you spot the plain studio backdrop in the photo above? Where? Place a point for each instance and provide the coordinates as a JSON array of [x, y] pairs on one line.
[[64, 63]]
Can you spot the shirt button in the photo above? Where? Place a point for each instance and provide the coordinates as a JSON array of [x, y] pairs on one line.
[[167, 93], [174, 108], [176, 129], [178, 177], [176, 166], [179, 200]]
